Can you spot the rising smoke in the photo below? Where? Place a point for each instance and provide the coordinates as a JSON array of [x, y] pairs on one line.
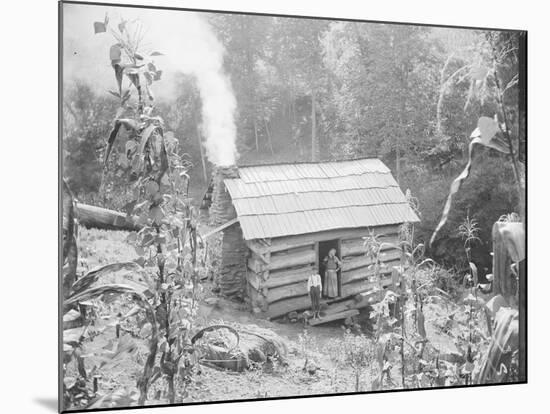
[[189, 46]]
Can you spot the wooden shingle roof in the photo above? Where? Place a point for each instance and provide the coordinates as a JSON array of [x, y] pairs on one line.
[[288, 199]]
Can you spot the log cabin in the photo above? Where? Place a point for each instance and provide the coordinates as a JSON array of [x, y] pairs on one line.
[[279, 222]]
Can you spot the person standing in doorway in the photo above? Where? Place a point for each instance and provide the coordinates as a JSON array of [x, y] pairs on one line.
[[332, 266], [314, 287]]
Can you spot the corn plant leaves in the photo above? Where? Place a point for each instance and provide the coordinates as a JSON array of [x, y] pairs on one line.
[[455, 186], [420, 320], [119, 72], [487, 130], [122, 289], [505, 337], [145, 137], [72, 315], [129, 124], [69, 382], [151, 188], [485, 134], [70, 250], [495, 303], [129, 273], [473, 268], [100, 27], [119, 398], [479, 73], [156, 214], [115, 53], [513, 235]]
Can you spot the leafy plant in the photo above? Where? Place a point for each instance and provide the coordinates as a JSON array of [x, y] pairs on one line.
[[358, 354], [167, 240], [307, 347], [495, 133]]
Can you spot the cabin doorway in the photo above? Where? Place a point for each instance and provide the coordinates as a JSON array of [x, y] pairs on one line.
[[323, 248]]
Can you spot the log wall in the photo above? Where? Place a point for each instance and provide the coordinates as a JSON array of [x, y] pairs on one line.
[[278, 269]]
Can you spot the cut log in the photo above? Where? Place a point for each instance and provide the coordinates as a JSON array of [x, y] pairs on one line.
[[293, 258], [364, 285], [340, 307], [359, 284], [287, 291], [353, 247], [257, 298], [258, 250], [334, 317], [290, 242], [254, 279], [360, 273], [355, 262], [105, 219], [288, 276], [283, 307]]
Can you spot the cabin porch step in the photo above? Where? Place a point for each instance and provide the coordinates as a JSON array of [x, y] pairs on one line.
[[334, 317]]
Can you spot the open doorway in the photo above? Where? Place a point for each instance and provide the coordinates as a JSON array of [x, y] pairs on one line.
[[323, 250]]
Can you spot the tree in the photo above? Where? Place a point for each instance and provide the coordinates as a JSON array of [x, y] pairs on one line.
[[384, 77], [244, 38], [85, 123], [299, 57]]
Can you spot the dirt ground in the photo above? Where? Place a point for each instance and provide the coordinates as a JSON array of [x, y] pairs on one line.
[[102, 247]]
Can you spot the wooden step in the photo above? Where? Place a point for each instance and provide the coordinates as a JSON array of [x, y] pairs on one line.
[[334, 317]]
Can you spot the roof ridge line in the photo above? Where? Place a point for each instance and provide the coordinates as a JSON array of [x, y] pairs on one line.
[[318, 191], [312, 178], [308, 162], [325, 208]]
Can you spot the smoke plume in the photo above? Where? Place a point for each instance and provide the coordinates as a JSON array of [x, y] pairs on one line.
[[188, 45]]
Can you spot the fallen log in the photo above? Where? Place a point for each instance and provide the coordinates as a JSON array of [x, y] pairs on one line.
[[104, 219]]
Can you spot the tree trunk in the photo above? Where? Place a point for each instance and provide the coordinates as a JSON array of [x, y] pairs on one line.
[[256, 135], [269, 137], [397, 162], [314, 138], [102, 218]]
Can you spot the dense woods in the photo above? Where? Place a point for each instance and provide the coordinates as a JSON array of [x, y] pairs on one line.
[[311, 89]]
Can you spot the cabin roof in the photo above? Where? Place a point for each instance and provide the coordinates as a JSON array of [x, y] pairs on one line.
[[289, 199]]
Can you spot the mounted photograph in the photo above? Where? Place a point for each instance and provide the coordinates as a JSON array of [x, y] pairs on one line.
[[261, 206]]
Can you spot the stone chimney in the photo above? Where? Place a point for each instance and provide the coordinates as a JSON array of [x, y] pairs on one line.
[[222, 210]]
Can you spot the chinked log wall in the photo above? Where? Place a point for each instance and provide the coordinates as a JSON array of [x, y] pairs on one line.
[[278, 268]]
